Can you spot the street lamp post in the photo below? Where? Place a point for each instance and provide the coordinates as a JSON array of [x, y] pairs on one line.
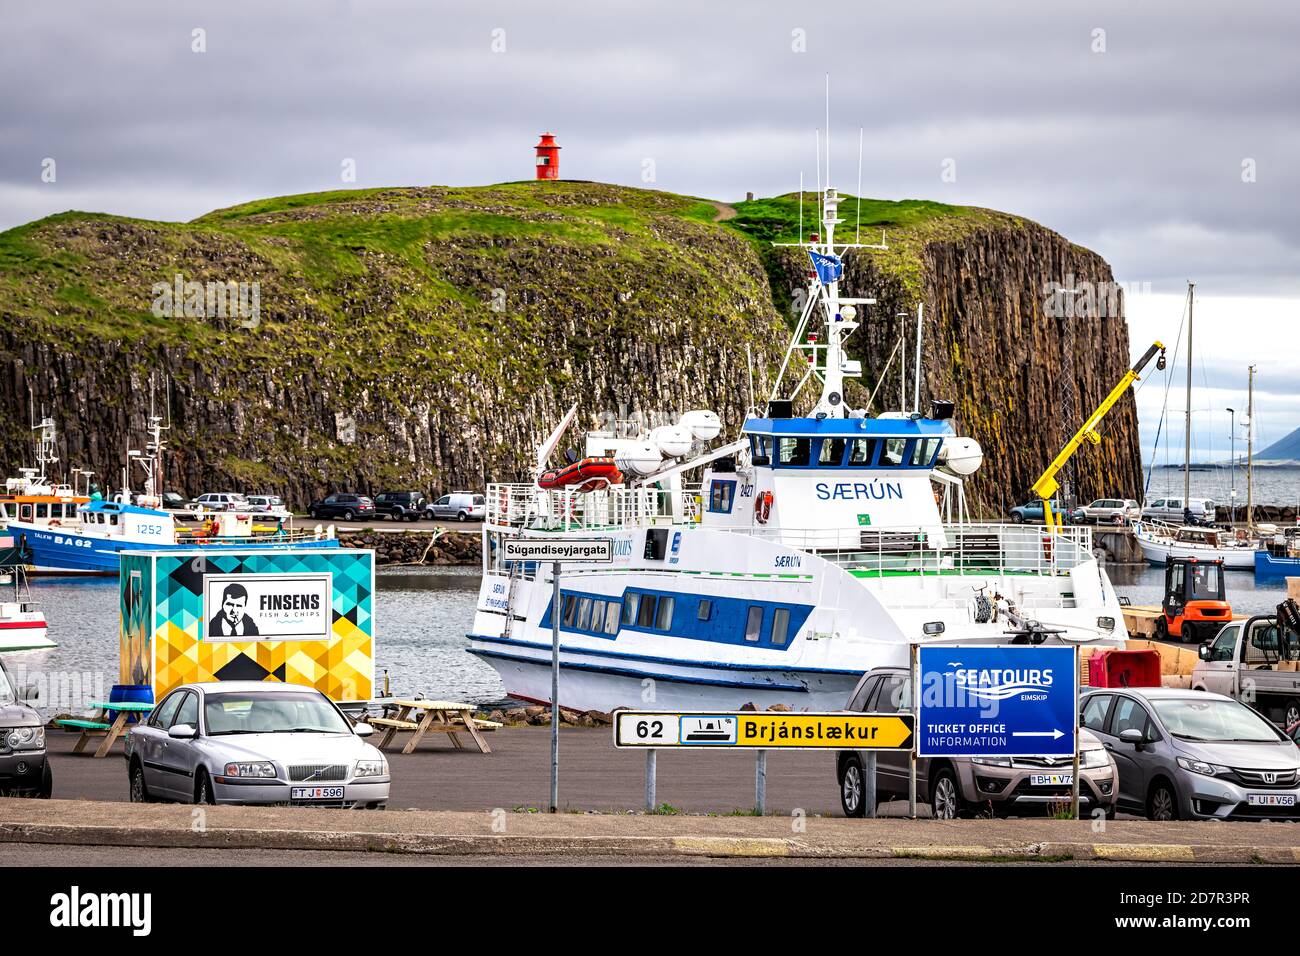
[[1232, 462]]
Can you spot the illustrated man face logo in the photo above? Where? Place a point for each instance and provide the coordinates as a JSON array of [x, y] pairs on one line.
[[233, 602]]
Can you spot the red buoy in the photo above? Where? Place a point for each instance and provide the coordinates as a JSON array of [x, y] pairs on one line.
[[548, 157]]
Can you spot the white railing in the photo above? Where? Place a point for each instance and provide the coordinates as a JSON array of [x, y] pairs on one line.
[[951, 548]]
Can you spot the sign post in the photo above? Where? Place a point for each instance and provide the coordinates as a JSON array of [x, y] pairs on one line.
[[557, 552], [1017, 701]]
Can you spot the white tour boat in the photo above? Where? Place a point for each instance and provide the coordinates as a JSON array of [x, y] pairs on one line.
[[811, 550]]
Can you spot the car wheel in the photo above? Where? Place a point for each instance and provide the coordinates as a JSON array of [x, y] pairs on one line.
[[462, 516], [347, 515], [852, 789], [1162, 804], [945, 796], [139, 789], [1017, 518], [1292, 713], [312, 513], [203, 788]]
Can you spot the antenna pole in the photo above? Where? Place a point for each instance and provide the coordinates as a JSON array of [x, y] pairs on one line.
[[920, 321], [828, 129], [857, 239], [801, 207], [1187, 432]]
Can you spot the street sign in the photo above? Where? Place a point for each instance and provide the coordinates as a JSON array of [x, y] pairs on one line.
[[553, 550], [763, 730], [997, 701]]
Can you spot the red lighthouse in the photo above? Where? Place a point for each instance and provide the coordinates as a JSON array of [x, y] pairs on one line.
[[548, 157]]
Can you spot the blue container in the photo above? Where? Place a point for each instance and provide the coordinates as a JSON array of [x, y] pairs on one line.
[[131, 694]]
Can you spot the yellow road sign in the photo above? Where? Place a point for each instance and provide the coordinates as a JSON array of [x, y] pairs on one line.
[[764, 730]]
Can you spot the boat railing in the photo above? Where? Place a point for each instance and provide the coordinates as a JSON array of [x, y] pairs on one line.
[[947, 549]]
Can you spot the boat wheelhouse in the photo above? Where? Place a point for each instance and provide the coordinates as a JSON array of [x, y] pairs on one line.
[[810, 549]]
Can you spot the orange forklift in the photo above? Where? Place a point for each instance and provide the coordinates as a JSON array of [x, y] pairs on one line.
[[1194, 606]]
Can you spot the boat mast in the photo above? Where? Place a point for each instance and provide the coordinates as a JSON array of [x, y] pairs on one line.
[[1187, 438], [1250, 452]]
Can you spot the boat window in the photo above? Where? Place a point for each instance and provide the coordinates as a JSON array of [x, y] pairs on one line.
[[892, 454], [611, 617], [832, 453], [761, 449], [792, 452], [25, 511], [664, 615], [630, 602], [584, 613], [705, 610], [862, 451], [924, 451], [570, 606], [646, 616], [42, 510], [720, 496], [112, 519], [754, 624], [780, 624]]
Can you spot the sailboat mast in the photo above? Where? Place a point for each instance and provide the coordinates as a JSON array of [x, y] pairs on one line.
[[1187, 436], [1250, 452]]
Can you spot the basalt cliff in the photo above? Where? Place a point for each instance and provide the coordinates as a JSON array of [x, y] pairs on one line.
[[429, 337]]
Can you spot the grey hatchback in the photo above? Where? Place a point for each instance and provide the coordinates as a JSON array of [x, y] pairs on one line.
[[1192, 755], [965, 786]]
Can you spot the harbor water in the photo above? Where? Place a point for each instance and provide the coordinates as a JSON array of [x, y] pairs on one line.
[[422, 615]]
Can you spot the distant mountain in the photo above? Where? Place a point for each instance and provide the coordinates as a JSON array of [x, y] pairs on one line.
[[1288, 449]]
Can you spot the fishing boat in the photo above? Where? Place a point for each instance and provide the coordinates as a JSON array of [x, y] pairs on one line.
[[22, 623], [809, 549], [92, 540], [35, 498]]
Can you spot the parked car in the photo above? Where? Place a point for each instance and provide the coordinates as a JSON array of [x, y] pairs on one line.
[[1175, 510], [461, 505], [963, 786], [346, 506], [1247, 661], [1189, 755], [221, 501], [24, 766], [253, 742], [175, 501], [1107, 511], [401, 505], [1032, 510], [267, 504]]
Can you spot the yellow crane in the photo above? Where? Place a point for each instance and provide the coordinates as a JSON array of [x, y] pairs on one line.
[[1046, 486]]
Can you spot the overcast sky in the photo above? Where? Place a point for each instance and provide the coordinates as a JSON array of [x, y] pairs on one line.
[[1162, 135]]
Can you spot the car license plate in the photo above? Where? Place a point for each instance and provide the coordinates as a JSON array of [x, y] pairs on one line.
[[316, 793], [1051, 779], [1271, 799]]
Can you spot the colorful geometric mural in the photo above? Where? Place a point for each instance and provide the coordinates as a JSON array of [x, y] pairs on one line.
[[168, 632]]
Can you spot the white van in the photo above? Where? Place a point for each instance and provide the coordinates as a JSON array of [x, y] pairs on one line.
[[461, 505]]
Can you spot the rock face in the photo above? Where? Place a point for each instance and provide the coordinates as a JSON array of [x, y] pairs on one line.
[[415, 547], [429, 338]]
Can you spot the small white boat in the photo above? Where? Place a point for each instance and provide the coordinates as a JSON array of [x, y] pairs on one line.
[[1160, 542], [22, 623]]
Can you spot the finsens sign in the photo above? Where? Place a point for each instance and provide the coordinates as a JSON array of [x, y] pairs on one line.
[[77, 909], [242, 607]]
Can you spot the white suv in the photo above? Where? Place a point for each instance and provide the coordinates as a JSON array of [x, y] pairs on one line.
[[1174, 511], [221, 501], [1108, 511]]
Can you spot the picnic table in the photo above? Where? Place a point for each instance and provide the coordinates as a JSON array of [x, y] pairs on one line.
[[433, 716], [109, 719]]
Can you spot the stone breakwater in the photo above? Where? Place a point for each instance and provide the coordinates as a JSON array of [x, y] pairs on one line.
[[417, 547]]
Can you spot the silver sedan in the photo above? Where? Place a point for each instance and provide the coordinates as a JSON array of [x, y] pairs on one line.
[[254, 742]]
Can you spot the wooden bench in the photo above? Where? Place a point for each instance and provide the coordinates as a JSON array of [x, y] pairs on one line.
[[110, 720], [436, 716]]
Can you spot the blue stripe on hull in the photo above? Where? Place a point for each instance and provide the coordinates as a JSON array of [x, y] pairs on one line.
[[675, 661], [628, 672], [79, 553]]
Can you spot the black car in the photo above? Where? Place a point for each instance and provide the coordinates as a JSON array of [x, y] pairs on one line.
[[345, 506], [400, 505], [24, 766]]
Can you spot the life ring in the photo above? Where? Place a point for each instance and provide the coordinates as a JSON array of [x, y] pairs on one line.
[[54, 523], [763, 506]]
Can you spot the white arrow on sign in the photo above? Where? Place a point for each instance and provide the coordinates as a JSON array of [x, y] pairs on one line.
[[1054, 734]]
